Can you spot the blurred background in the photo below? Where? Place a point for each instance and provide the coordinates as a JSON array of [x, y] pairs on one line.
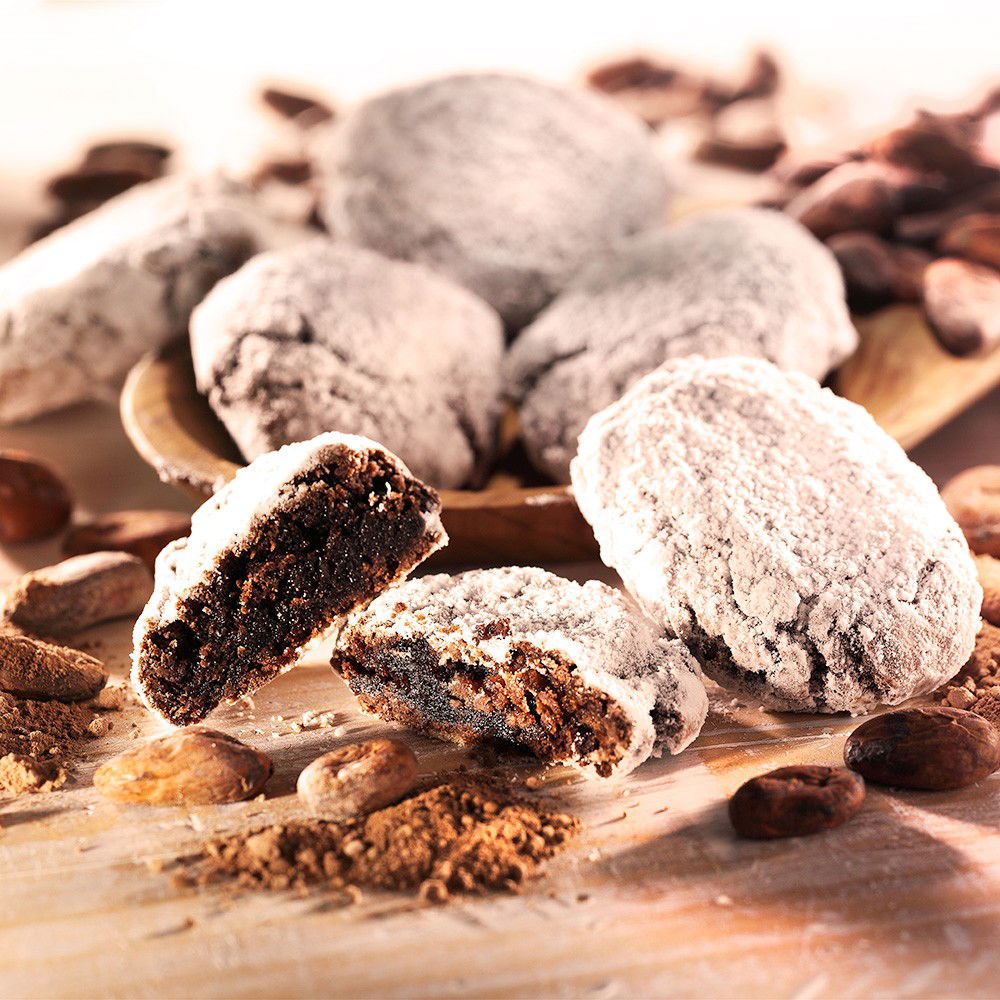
[[189, 75]]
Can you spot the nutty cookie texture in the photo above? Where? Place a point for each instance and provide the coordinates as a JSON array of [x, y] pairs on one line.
[[299, 537], [506, 184], [576, 674], [779, 532], [322, 337], [80, 307], [732, 282]]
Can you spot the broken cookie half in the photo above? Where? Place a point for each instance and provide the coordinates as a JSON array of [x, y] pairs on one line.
[[575, 674], [300, 537]]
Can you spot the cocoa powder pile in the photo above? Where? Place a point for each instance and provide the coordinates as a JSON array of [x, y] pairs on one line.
[[977, 686], [36, 740], [463, 835]]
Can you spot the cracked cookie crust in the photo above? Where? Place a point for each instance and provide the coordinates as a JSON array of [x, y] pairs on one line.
[[779, 532], [575, 674], [299, 538], [324, 337], [732, 282], [80, 307]]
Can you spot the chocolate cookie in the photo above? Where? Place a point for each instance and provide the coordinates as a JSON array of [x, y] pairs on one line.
[[80, 307], [573, 673], [321, 337], [299, 537], [738, 281], [779, 532], [506, 184]]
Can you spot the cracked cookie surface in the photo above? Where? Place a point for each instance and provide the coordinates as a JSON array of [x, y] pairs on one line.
[[739, 281], [80, 307], [506, 184], [297, 539], [779, 532], [323, 337], [574, 673]]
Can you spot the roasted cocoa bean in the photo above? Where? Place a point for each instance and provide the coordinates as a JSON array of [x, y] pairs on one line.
[[76, 593], [975, 237], [927, 748], [34, 501], [298, 108], [878, 273], [196, 766], [962, 302], [143, 533], [30, 668], [973, 499], [357, 779], [795, 801]]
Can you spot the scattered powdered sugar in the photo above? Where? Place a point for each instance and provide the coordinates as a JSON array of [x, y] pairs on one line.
[[321, 337], [488, 614], [739, 281], [781, 533], [506, 184], [80, 307]]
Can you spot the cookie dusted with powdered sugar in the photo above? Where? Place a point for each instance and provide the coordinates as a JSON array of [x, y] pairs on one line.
[[576, 674], [779, 532], [298, 538], [320, 337], [80, 307], [739, 281], [506, 184]]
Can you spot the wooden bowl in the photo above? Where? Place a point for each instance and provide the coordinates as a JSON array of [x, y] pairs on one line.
[[900, 374], [513, 519]]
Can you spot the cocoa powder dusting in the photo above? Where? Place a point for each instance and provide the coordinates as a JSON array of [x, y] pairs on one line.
[[463, 835], [38, 741]]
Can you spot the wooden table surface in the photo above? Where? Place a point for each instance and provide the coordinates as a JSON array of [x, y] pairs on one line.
[[656, 897]]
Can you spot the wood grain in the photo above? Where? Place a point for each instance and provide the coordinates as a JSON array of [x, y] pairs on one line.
[[900, 373], [656, 899]]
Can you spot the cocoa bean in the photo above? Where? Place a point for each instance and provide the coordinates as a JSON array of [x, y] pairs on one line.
[[142, 533], [358, 778], [796, 801], [31, 668], [301, 109], [975, 237], [962, 302], [34, 501], [76, 593], [196, 766], [853, 196], [973, 499], [745, 135], [878, 273], [928, 748]]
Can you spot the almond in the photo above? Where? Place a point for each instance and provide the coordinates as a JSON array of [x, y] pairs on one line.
[[143, 533], [31, 668], [962, 301]]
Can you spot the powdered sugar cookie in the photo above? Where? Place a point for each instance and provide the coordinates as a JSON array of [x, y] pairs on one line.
[[321, 337], [80, 307], [741, 281], [298, 538], [504, 183], [573, 673], [779, 532]]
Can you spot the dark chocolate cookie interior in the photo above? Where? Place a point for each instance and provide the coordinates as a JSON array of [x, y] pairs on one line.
[[533, 700], [327, 551]]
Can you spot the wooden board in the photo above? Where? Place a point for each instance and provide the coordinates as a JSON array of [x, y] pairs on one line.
[[656, 899], [900, 374]]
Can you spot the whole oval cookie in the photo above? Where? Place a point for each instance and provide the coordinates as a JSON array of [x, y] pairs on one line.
[[80, 307], [739, 281], [321, 337], [506, 184], [780, 533]]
